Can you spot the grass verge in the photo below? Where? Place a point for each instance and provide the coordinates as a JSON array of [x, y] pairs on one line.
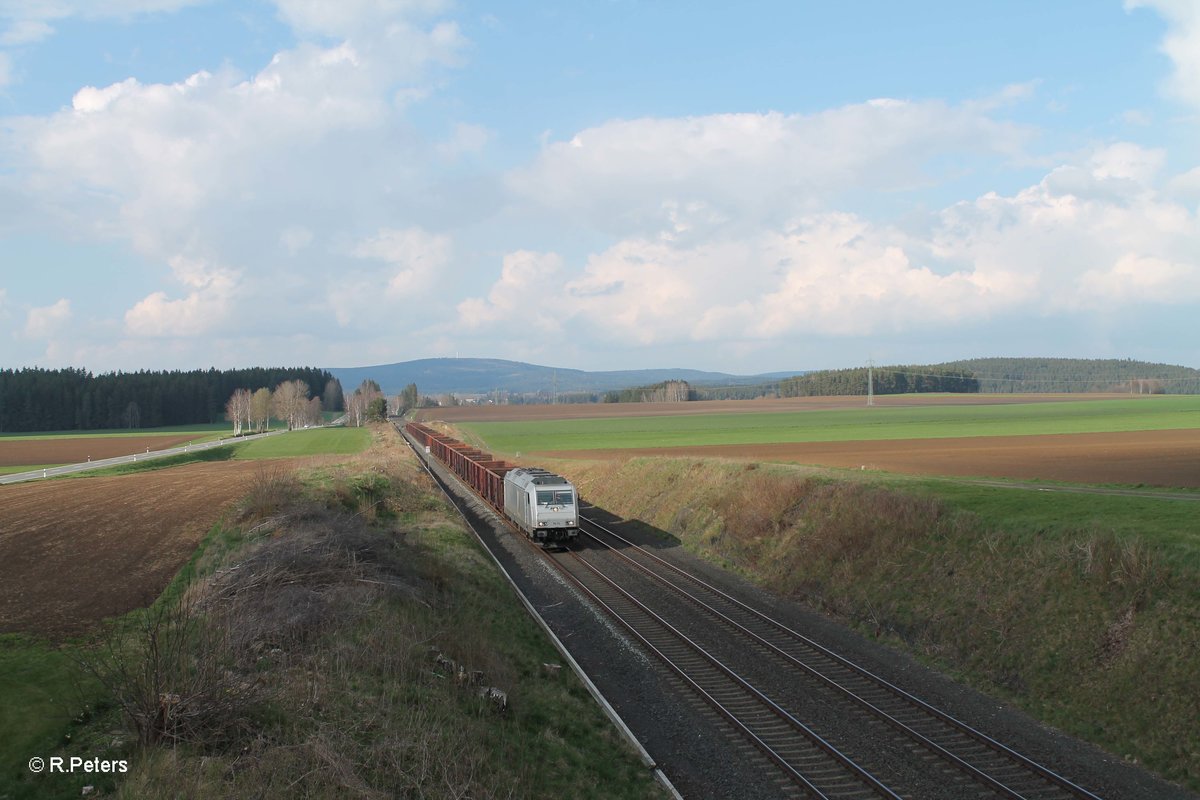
[[223, 453], [1093, 629]]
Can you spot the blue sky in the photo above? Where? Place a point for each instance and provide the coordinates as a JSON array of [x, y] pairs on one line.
[[603, 185]]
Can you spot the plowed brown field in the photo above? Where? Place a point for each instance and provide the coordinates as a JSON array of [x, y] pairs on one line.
[[1154, 458], [70, 450], [76, 551]]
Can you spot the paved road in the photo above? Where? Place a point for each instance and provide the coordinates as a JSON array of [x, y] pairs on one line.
[[50, 472]]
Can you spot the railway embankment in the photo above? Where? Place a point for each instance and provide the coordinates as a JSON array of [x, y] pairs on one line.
[[1093, 631], [338, 634]]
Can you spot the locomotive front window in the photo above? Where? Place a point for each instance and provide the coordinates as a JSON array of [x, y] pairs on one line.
[[555, 497]]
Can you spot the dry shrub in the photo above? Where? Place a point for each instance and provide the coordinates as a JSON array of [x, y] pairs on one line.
[[1127, 565], [322, 571], [173, 672], [271, 490]]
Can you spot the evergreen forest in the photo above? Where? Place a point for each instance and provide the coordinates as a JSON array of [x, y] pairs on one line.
[[34, 399]]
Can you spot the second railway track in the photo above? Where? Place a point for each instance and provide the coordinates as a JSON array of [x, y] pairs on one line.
[[966, 762]]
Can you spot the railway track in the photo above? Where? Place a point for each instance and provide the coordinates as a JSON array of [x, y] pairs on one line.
[[812, 763], [984, 766], [880, 728]]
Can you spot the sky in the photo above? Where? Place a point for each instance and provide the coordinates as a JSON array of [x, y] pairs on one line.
[[604, 184]]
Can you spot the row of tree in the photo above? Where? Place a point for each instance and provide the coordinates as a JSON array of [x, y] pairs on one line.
[[368, 402], [35, 399], [881, 380], [251, 412], [663, 392]]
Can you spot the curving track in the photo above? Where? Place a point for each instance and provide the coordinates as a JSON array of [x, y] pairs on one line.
[[983, 767]]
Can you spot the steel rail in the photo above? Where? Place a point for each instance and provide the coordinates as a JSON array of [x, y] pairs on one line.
[[1026, 763], [812, 736]]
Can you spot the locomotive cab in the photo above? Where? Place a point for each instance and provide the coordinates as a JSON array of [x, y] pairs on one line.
[[543, 504]]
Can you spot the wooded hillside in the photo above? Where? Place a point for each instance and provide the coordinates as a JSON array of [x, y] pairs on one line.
[[1002, 375], [1078, 375], [35, 399], [886, 380]]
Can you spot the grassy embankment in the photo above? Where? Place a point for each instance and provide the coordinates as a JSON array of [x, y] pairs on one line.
[[1083, 609], [298, 652]]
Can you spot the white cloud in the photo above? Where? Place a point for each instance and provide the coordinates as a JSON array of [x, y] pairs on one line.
[[1092, 235], [207, 307], [757, 166], [45, 321], [1187, 183], [526, 295], [410, 263], [1137, 279], [1127, 160], [415, 255], [5, 70], [1181, 45]]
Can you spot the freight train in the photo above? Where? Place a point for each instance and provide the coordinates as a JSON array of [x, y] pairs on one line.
[[540, 503]]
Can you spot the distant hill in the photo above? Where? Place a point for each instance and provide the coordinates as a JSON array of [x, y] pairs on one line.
[[485, 375], [1002, 375], [1078, 375]]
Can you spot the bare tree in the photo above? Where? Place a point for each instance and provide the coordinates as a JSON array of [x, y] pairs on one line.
[[289, 401], [312, 413], [358, 404], [237, 411], [260, 409], [356, 408]]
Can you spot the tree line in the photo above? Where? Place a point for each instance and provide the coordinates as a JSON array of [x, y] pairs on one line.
[[885, 380], [1079, 375], [664, 392], [34, 399]]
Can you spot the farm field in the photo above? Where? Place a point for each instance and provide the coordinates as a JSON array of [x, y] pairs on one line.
[[512, 413], [1114, 440], [77, 551], [1154, 458], [72, 450]]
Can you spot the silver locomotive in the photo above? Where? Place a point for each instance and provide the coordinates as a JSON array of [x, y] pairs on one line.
[[543, 504]]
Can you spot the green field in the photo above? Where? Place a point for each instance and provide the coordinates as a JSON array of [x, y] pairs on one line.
[[315, 441], [841, 425]]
